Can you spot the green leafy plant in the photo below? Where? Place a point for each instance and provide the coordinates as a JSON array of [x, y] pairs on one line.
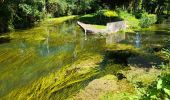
[[132, 22], [166, 53], [147, 20], [110, 13]]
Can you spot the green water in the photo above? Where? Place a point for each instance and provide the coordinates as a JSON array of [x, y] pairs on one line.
[[24, 58]]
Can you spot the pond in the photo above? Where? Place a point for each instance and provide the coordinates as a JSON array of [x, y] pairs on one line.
[[23, 60]]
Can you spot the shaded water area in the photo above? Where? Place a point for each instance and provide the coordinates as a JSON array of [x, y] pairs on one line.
[[25, 59]]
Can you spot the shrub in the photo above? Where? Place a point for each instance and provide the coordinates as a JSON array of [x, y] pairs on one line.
[[159, 90], [133, 23], [138, 14], [147, 20], [161, 19], [110, 13], [107, 13]]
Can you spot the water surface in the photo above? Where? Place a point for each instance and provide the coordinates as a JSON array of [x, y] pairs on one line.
[[24, 58]]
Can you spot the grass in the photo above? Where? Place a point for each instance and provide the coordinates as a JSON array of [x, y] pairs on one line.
[[99, 26], [99, 87], [59, 20], [100, 21], [42, 30]]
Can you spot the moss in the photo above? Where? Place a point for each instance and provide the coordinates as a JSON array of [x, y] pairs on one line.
[[53, 21], [98, 88], [142, 76], [109, 77], [118, 96], [118, 46], [110, 68]]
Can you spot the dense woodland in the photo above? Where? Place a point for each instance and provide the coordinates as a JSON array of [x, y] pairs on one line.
[[16, 14]]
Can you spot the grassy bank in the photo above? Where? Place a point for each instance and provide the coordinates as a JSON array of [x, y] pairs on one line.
[[41, 31], [134, 22]]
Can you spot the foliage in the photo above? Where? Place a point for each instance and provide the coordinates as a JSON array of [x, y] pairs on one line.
[[20, 14], [132, 22], [24, 13], [160, 89], [166, 54], [110, 13], [161, 19], [147, 20], [56, 7]]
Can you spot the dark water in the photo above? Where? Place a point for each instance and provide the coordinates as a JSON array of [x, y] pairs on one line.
[[24, 58]]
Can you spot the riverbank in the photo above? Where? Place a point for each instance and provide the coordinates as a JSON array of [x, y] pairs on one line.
[[40, 31]]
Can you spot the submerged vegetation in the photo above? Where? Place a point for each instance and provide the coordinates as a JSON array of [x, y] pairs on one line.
[[54, 85]]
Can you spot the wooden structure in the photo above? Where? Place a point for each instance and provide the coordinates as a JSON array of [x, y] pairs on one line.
[[91, 29], [112, 27]]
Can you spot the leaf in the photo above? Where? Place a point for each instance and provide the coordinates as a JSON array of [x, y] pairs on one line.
[[159, 85], [153, 97], [167, 91]]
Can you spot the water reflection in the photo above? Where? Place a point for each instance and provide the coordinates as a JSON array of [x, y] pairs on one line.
[[138, 40], [44, 48], [23, 46], [4, 40], [115, 38]]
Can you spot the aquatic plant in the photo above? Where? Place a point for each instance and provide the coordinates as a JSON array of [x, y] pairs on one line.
[[64, 80], [101, 87]]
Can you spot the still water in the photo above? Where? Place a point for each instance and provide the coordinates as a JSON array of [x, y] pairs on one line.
[[24, 58]]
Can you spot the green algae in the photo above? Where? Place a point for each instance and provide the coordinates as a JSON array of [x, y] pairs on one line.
[[118, 46], [98, 88]]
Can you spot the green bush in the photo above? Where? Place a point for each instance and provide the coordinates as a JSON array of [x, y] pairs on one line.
[[160, 90], [138, 14], [147, 20], [132, 21], [110, 13], [161, 19], [107, 13]]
